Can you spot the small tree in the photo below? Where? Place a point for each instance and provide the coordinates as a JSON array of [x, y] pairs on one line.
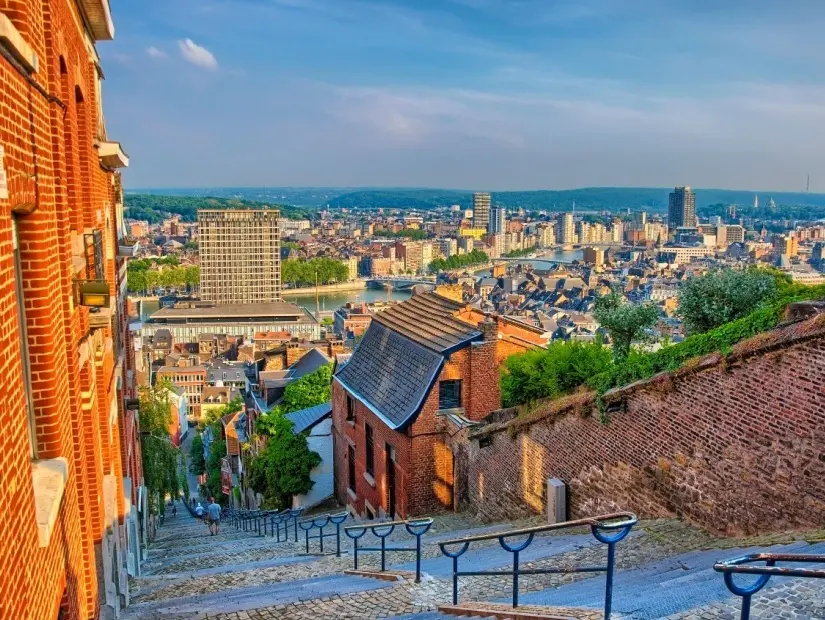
[[718, 297], [197, 464], [625, 322], [160, 457], [283, 467]]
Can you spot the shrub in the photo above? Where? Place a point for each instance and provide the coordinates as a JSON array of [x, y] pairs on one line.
[[722, 296], [625, 322], [551, 372]]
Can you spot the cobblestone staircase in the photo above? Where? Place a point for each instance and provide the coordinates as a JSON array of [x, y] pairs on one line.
[[664, 571]]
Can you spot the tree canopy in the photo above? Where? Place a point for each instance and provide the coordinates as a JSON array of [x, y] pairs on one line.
[[160, 457], [299, 272], [721, 296], [155, 209], [459, 261], [625, 322]]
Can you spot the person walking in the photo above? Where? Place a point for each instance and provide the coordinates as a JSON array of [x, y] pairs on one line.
[[213, 517], [199, 512]]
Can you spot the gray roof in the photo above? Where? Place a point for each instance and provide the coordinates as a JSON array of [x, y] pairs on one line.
[[304, 419], [310, 361], [390, 374], [226, 311]]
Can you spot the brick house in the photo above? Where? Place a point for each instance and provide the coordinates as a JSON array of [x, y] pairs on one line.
[[69, 452], [418, 375]]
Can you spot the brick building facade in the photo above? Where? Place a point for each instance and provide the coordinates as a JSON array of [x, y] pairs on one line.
[[68, 452], [735, 443], [418, 376]]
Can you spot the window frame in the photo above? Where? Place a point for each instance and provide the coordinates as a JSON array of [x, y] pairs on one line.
[[352, 483], [369, 434], [454, 400], [25, 359]]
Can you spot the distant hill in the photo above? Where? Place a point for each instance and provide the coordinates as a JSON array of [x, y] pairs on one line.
[[155, 208], [586, 199]]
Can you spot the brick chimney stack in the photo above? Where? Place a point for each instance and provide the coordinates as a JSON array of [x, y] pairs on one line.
[[489, 330]]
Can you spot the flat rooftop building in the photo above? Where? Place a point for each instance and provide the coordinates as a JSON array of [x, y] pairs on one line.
[[188, 322], [240, 255]]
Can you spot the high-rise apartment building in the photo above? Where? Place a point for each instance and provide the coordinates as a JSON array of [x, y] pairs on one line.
[[498, 221], [681, 210], [639, 220], [240, 256], [481, 210], [567, 230], [72, 480]]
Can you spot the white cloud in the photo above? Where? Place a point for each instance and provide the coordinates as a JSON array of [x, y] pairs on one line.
[[155, 52], [197, 55]]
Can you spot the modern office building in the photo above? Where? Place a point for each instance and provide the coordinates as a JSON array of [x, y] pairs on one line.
[[481, 210], [498, 221], [681, 210], [567, 229], [240, 256]]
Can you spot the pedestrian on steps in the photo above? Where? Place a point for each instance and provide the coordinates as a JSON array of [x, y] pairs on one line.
[[199, 512], [213, 517]]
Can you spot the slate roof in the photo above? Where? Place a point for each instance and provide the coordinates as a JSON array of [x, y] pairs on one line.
[[390, 374], [310, 361], [428, 320], [304, 419]]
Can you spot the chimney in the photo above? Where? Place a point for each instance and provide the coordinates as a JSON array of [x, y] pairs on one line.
[[489, 329], [293, 353], [335, 346]]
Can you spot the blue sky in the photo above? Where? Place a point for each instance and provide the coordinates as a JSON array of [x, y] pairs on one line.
[[488, 94]]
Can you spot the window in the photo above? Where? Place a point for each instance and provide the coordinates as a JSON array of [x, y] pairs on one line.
[[370, 450], [351, 465], [350, 409], [24, 339], [449, 394]]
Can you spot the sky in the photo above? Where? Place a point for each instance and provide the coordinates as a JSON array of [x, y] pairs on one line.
[[472, 94]]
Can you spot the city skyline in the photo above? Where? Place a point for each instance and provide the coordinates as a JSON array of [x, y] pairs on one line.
[[467, 93]]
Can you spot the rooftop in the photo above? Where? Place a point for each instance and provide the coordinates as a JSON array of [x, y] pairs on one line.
[[428, 320], [304, 419]]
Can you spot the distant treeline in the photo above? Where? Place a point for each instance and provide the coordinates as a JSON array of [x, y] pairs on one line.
[[155, 209]]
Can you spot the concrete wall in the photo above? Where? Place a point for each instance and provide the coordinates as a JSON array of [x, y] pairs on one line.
[[320, 441]]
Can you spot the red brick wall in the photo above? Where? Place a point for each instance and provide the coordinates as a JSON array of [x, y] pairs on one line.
[[735, 445], [56, 186]]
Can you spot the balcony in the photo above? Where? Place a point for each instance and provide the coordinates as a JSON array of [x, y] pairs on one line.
[[102, 317], [128, 248], [99, 17], [112, 155]]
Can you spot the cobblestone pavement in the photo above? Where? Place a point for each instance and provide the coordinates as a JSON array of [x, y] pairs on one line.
[[240, 576]]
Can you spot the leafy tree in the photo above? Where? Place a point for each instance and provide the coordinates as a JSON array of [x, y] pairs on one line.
[[282, 469], [519, 253], [327, 321], [458, 261], [197, 464], [213, 416], [721, 296], [213, 485], [308, 391], [155, 209], [552, 372], [299, 272], [160, 457], [625, 322]]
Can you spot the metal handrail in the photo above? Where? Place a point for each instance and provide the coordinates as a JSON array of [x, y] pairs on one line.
[[619, 523], [319, 522], [414, 527], [739, 566], [283, 518]]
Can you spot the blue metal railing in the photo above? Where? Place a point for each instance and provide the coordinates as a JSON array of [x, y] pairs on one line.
[[607, 529], [414, 527], [742, 566], [320, 522], [283, 520]]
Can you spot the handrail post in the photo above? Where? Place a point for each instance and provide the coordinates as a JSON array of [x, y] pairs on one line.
[[455, 580], [418, 558], [515, 580], [355, 553], [383, 553], [746, 607], [306, 532], [321, 537], [608, 591], [337, 540]]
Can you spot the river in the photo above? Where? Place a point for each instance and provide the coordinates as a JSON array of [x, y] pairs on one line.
[[329, 301], [332, 300]]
